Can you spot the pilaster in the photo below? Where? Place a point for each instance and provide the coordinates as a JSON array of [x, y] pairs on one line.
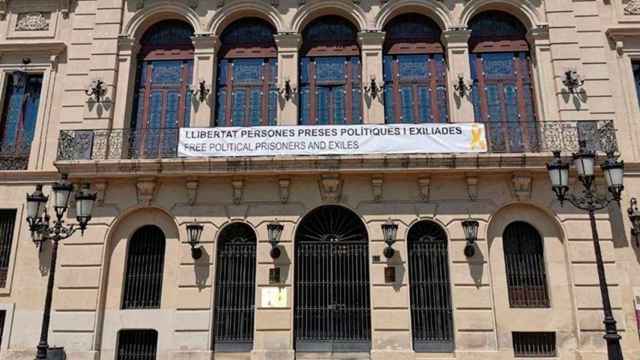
[[126, 72], [371, 43], [288, 45], [456, 42], [543, 71], [204, 69]]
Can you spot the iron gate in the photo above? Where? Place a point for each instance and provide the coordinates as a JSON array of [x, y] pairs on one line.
[[137, 344], [430, 288], [235, 288], [332, 307]]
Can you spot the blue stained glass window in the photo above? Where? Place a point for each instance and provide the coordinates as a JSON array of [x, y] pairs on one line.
[[338, 105], [356, 106], [20, 114], [304, 106], [330, 69], [502, 94], [322, 105], [246, 91], [415, 71]]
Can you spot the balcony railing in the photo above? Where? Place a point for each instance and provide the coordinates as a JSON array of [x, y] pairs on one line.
[[14, 156], [502, 138]]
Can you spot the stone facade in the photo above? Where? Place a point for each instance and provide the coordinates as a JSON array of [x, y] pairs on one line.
[[73, 42]]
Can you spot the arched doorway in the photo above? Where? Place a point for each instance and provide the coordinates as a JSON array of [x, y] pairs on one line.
[[332, 307], [430, 288], [235, 289]]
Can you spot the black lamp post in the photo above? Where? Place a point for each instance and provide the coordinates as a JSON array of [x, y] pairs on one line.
[[42, 230], [584, 163], [274, 231], [389, 231], [194, 232], [470, 228]]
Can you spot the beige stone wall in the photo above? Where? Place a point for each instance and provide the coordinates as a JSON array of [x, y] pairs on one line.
[[97, 39]]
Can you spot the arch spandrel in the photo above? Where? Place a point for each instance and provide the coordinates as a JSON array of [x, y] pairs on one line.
[[142, 20], [307, 13], [522, 10], [237, 10], [436, 11]]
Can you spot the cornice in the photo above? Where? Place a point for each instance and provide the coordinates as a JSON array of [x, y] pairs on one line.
[[50, 47]]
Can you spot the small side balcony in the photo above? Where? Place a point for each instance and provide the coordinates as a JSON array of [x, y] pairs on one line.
[[14, 156], [510, 145]]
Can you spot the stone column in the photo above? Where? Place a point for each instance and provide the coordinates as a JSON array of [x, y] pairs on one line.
[[204, 69], [288, 46], [546, 100], [456, 42], [371, 43]]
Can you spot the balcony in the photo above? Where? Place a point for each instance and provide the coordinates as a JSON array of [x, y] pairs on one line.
[[511, 145], [14, 156]]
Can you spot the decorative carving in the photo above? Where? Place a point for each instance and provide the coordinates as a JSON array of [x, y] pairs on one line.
[[330, 188], [632, 7], [376, 187], [101, 189], [33, 21], [424, 185], [521, 185], [238, 190], [146, 188], [192, 190], [284, 184], [472, 188]]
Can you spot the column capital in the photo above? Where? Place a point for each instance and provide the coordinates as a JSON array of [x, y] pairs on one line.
[[288, 41], [457, 35], [540, 33], [371, 39], [205, 41], [127, 46]]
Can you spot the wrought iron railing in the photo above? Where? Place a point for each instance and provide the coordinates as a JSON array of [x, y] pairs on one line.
[[14, 156], [162, 143]]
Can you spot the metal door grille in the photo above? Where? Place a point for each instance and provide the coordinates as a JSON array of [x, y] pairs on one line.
[[534, 344], [7, 220], [332, 303], [525, 269], [137, 344], [145, 265], [235, 288], [430, 289]]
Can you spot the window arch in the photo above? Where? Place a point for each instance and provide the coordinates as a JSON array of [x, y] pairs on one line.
[[247, 92], [502, 93], [235, 288], [524, 265], [330, 73], [414, 71], [144, 269], [430, 288], [162, 100]]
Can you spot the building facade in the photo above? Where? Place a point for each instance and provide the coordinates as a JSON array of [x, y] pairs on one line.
[[129, 287]]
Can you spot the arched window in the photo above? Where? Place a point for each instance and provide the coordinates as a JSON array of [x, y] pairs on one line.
[[162, 100], [524, 262], [246, 92], [430, 288], [235, 288], [330, 73], [414, 71], [502, 92], [144, 269]]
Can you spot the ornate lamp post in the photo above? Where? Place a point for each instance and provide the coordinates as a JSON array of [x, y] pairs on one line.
[[42, 230], [584, 163]]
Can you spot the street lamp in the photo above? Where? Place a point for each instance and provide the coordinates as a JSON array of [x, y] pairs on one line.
[[274, 232], [584, 163], [42, 230], [194, 232], [470, 228], [389, 231]]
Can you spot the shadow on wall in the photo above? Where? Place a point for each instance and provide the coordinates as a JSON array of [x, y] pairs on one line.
[[476, 267], [201, 269]]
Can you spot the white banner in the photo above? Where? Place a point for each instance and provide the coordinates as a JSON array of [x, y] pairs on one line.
[[333, 140]]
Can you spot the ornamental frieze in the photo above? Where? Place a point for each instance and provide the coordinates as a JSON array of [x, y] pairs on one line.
[[33, 21], [632, 7]]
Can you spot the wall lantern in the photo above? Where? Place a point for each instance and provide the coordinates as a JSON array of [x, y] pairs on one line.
[[373, 89], [634, 217], [470, 227], [274, 231], [461, 86], [389, 231], [201, 92], [194, 232], [572, 80], [97, 90], [288, 90]]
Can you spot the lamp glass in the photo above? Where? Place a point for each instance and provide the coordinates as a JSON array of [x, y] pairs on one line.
[[584, 163], [62, 192], [389, 231], [194, 232], [470, 228], [36, 203], [274, 232], [558, 171], [85, 200], [613, 172]]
